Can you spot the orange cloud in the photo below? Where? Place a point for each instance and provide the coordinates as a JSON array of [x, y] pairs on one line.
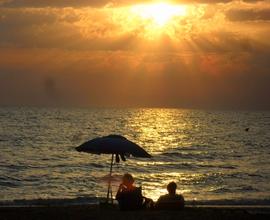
[[106, 56]]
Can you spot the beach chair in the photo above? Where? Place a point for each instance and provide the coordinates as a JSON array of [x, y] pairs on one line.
[[132, 200]]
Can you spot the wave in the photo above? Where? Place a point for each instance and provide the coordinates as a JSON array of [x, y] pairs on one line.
[[60, 165], [194, 165], [235, 189], [191, 155], [12, 182], [48, 202]]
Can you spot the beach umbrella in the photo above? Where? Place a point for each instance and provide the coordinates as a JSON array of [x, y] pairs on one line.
[[116, 145]]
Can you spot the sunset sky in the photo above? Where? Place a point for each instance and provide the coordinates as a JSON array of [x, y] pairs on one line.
[[191, 54]]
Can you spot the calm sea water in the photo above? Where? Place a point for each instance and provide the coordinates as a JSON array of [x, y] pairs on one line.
[[208, 153]]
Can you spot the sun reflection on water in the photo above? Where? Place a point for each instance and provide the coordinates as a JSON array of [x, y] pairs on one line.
[[208, 154], [157, 129], [157, 186], [162, 132]]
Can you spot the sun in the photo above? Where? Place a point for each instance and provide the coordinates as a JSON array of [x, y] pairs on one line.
[[159, 13]]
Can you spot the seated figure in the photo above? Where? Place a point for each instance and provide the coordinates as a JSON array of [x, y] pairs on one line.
[[128, 196], [170, 201]]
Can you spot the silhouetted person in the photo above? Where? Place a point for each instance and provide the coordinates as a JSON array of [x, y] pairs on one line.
[[171, 201], [130, 197]]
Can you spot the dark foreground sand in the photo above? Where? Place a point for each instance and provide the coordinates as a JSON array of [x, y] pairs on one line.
[[92, 212]]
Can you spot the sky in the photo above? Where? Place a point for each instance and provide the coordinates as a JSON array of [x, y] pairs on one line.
[[209, 54]]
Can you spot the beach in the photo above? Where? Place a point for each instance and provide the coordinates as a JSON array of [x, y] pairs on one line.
[[97, 212]]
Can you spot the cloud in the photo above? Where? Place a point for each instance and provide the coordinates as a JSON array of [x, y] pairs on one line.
[[73, 55], [97, 3], [55, 3], [91, 29], [262, 14]]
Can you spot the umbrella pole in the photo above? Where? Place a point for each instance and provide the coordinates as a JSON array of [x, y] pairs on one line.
[[109, 192]]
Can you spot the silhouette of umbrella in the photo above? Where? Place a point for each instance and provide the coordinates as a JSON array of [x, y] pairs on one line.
[[115, 145]]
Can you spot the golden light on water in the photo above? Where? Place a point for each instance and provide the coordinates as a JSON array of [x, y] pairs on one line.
[[162, 125], [152, 125], [155, 189], [160, 13]]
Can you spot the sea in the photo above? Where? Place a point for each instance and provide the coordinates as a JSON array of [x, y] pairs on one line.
[[215, 157]]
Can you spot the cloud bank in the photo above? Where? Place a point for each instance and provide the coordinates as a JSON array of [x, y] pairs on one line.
[[96, 53]]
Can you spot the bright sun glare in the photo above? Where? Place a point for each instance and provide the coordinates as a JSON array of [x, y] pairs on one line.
[[159, 13]]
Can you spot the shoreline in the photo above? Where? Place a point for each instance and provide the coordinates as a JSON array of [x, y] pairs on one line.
[[97, 200]]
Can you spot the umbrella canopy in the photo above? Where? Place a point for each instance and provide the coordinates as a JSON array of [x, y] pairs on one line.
[[114, 145]]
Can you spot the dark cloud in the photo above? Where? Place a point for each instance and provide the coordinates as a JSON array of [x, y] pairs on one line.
[[252, 14], [25, 18], [95, 3], [54, 3]]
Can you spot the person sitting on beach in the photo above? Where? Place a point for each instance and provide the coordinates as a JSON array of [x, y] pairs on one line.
[[130, 197], [170, 201]]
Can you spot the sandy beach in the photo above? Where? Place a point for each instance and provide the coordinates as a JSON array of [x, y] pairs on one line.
[[97, 212]]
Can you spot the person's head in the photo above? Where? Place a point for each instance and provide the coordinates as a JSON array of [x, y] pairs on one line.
[[171, 187], [128, 180]]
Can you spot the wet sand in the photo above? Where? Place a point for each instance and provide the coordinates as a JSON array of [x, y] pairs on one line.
[[94, 212]]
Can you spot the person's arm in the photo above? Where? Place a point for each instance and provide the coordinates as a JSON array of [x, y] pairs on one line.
[[182, 201], [120, 192], [157, 203]]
